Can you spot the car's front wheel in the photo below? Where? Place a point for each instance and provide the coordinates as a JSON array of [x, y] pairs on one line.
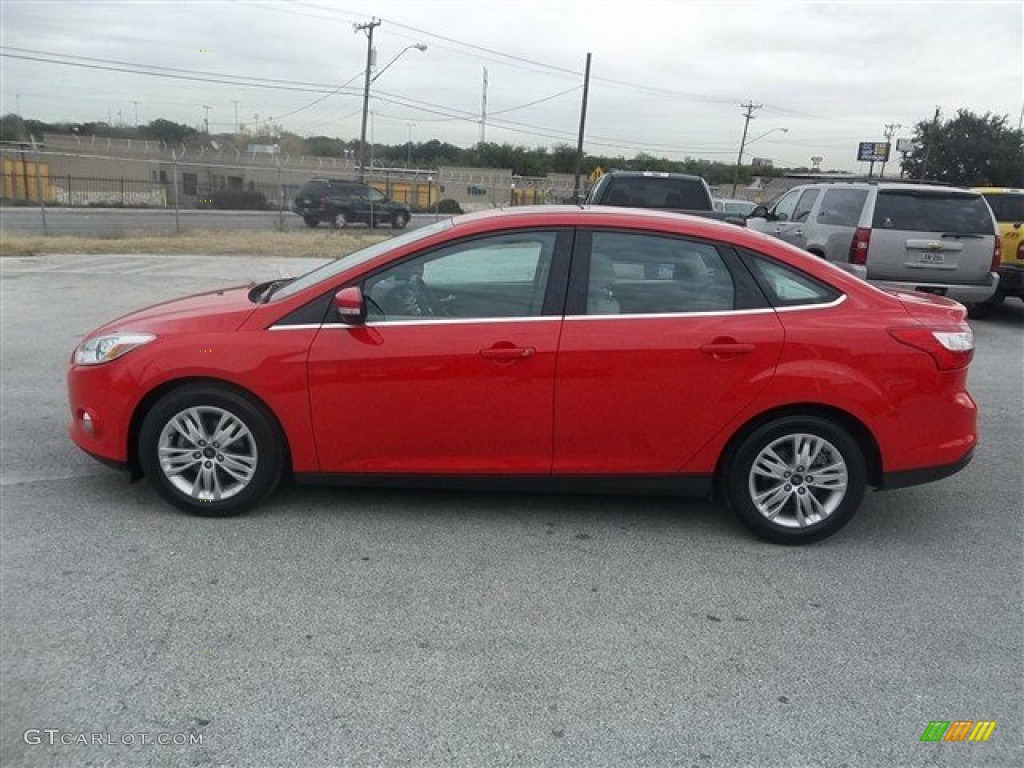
[[399, 220], [796, 480], [311, 221], [210, 450]]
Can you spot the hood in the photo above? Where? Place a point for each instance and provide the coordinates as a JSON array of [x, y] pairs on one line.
[[215, 311]]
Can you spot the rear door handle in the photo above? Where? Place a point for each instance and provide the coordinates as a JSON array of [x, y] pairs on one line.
[[507, 353], [724, 350]]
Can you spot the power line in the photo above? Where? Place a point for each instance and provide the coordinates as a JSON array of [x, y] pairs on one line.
[[554, 68]]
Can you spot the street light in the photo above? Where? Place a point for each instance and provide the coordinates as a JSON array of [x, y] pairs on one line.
[[743, 144], [408, 154], [366, 98]]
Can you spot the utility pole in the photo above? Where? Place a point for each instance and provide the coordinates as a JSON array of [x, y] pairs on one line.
[[235, 102], [748, 116], [483, 109], [368, 28], [929, 142], [890, 129], [583, 125], [408, 154], [206, 119], [136, 113]]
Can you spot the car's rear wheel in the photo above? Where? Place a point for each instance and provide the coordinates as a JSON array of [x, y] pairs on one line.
[[311, 221], [339, 220], [796, 480], [210, 450], [400, 219]]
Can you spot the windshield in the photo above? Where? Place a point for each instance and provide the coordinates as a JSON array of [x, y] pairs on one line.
[[339, 265]]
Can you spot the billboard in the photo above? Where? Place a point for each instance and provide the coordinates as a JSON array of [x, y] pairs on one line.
[[873, 151]]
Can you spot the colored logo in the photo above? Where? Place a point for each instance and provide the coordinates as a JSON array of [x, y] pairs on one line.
[[958, 730]]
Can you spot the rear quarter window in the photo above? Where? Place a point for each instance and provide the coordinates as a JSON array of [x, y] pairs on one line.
[[785, 286], [920, 211]]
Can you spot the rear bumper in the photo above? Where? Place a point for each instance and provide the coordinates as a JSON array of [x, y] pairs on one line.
[[1011, 280], [965, 293], [907, 477]]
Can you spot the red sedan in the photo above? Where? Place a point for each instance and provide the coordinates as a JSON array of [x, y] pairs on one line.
[[543, 347]]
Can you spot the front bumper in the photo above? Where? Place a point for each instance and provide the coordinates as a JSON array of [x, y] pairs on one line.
[[102, 399]]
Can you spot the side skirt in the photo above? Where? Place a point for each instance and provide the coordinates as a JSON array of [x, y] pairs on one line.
[[659, 485]]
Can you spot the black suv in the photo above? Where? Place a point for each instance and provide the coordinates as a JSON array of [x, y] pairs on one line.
[[340, 202]]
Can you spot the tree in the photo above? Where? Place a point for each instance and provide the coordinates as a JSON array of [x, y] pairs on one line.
[[164, 130], [968, 150]]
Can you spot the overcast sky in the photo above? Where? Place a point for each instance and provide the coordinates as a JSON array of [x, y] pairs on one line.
[[668, 77]]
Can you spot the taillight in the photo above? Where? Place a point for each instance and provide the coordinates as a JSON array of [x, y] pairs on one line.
[[950, 347], [997, 255], [859, 246], [1020, 251]]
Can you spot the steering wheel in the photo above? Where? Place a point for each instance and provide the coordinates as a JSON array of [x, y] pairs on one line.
[[425, 298]]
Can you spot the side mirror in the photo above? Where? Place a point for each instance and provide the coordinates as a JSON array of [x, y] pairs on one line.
[[350, 305], [760, 212]]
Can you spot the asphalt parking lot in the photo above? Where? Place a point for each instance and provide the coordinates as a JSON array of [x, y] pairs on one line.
[[341, 627]]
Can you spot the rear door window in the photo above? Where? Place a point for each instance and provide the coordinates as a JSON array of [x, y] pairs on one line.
[[928, 211], [842, 207], [636, 274]]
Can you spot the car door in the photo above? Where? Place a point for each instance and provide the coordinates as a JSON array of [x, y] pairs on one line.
[[453, 371], [665, 341], [795, 230]]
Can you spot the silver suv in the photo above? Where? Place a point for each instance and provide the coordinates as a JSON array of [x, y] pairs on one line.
[[917, 237]]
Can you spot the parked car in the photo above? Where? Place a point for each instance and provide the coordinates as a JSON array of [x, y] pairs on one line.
[[737, 207], [677, 192], [1008, 207], [544, 347], [927, 238], [340, 203]]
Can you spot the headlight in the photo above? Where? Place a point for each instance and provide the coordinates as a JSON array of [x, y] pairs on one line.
[[103, 349]]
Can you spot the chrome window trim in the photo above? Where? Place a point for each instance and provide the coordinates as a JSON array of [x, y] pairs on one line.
[[559, 318]]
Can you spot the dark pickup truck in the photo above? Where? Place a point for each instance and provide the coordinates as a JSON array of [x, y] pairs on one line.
[[676, 192]]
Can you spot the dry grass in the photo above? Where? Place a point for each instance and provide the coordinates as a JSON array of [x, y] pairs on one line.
[[320, 243]]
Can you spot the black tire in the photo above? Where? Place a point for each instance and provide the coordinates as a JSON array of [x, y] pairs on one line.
[[311, 221], [262, 445], [399, 220], [790, 496], [984, 309], [339, 220]]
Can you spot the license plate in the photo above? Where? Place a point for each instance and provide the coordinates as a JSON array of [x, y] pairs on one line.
[[931, 258]]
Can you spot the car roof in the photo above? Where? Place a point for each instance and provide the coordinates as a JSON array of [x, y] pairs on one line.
[[998, 190], [613, 216], [886, 185], [651, 175]]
